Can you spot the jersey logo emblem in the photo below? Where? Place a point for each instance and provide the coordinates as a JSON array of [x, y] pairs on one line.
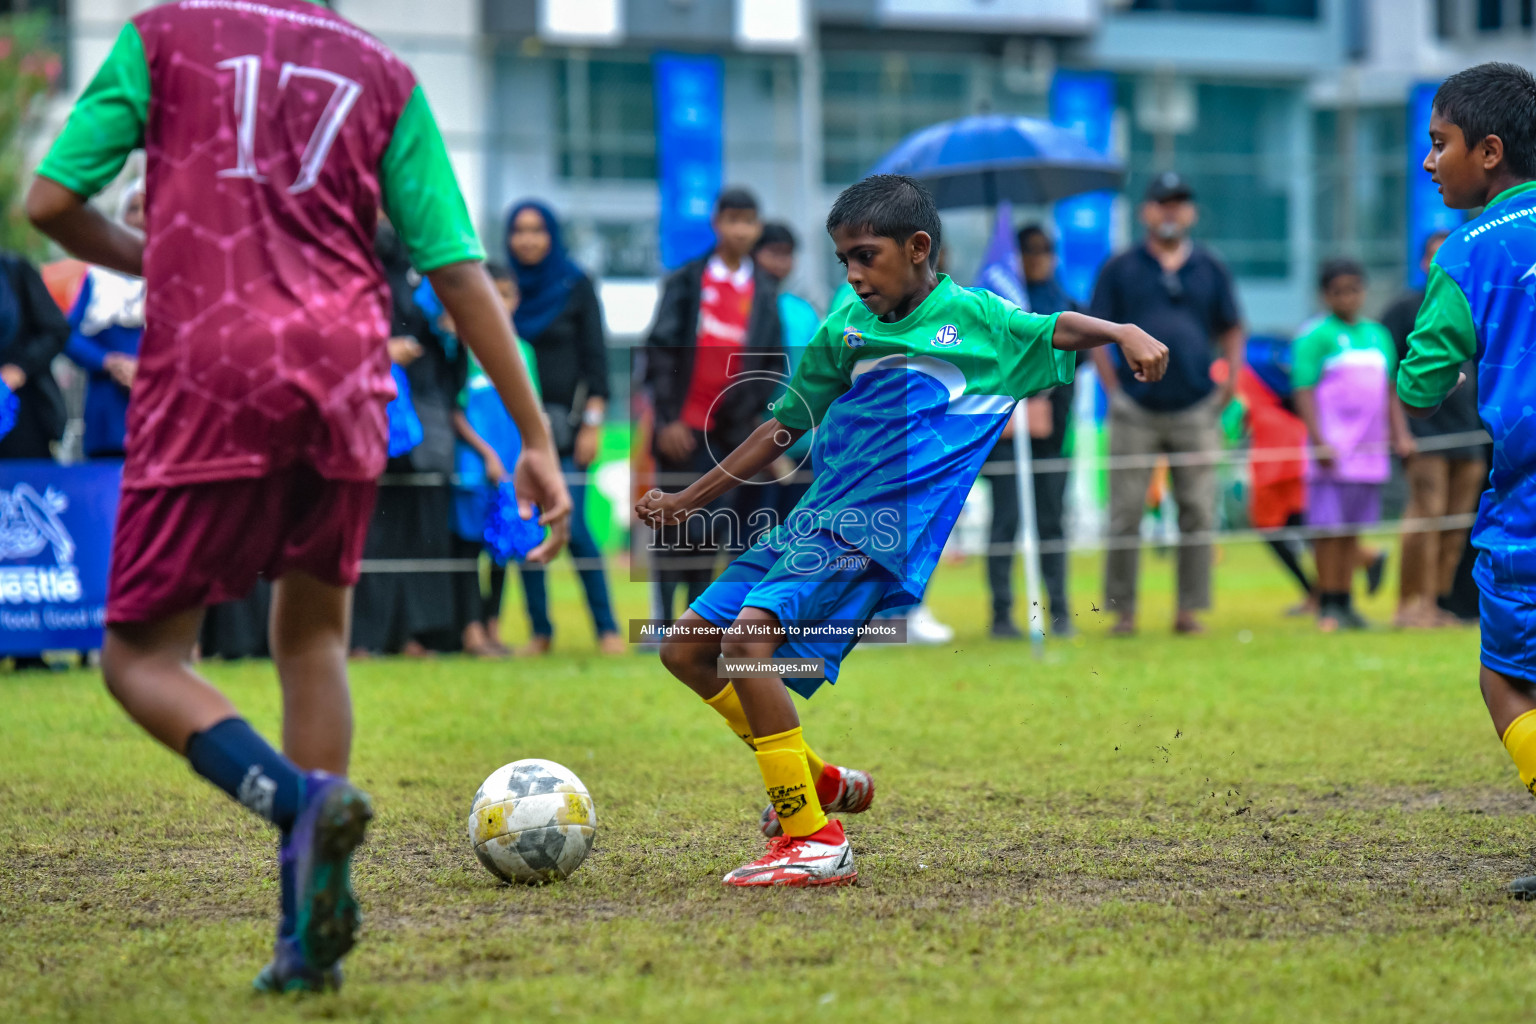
[[948, 336], [853, 337]]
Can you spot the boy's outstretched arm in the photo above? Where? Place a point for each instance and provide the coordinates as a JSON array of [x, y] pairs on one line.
[[1144, 354], [754, 455], [468, 296]]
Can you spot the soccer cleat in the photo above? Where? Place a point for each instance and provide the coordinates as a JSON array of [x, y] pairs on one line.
[[287, 972], [1523, 888], [840, 790], [320, 847], [824, 858]]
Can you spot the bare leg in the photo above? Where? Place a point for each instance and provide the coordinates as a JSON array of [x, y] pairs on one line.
[[769, 708], [1467, 479], [311, 621], [1507, 698], [694, 659], [1335, 567], [148, 668]]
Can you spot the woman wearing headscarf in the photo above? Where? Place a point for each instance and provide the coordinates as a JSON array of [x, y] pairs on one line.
[[106, 323], [560, 317]]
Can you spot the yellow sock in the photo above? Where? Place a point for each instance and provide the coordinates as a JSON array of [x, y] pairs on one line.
[[791, 789], [1520, 741], [729, 707]]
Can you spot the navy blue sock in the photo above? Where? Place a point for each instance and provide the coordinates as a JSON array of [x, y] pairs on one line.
[[233, 757]]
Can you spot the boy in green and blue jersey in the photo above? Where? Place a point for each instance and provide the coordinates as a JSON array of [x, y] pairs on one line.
[[907, 391]]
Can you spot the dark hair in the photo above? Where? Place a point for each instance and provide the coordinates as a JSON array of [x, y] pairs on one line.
[[499, 272], [1029, 231], [1340, 266], [776, 233], [889, 206], [1434, 236], [735, 198], [1494, 99]]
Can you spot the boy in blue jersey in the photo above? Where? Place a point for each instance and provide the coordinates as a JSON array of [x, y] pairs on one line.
[[910, 388], [1480, 303]]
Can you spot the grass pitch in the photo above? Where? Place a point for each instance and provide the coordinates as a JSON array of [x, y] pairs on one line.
[[1260, 824]]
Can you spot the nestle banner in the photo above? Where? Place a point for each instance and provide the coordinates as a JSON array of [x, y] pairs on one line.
[[55, 540]]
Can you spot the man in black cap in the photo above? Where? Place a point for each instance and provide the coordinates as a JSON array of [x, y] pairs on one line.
[[1182, 295]]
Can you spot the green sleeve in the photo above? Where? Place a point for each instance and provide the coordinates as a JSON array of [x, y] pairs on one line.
[[422, 196], [1444, 336], [819, 381], [1308, 354], [531, 359], [107, 123], [1036, 364]]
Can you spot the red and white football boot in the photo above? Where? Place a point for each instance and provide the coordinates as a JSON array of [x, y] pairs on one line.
[[840, 790], [823, 858]]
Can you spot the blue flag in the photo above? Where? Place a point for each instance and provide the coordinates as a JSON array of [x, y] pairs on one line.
[[10, 406], [1001, 271], [404, 425]]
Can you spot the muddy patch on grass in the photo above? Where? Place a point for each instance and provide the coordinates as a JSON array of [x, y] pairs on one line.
[[1298, 861]]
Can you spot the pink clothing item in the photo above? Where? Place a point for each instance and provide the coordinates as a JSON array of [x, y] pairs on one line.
[[1354, 417], [1331, 503], [267, 309]]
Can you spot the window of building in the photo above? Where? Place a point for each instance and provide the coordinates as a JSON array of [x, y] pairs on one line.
[[1491, 16], [605, 117], [1361, 187], [1270, 8], [871, 101], [1237, 160]]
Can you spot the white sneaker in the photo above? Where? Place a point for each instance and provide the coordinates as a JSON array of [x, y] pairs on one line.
[[821, 859], [923, 628]]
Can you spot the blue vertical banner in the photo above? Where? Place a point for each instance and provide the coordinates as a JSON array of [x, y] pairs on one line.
[[1084, 101], [55, 540], [1427, 212], [689, 151]]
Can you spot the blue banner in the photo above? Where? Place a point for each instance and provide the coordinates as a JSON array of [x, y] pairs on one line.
[[55, 541], [1427, 212], [689, 146], [1084, 101]]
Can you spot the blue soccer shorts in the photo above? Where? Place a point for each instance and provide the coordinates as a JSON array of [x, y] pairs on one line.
[[1508, 618], [805, 581]]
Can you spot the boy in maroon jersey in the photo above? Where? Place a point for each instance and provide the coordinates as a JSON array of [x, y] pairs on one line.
[[273, 130]]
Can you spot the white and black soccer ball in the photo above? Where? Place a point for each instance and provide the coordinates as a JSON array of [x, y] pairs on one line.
[[532, 822]]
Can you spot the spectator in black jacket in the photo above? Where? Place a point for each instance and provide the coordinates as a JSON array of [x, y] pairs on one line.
[[32, 332], [559, 315], [717, 330]]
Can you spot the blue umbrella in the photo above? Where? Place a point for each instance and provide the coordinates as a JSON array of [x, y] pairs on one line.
[[982, 160]]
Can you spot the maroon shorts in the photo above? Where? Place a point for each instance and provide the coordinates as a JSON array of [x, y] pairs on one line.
[[196, 545]]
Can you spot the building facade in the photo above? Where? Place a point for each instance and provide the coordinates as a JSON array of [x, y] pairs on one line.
[[1289, 116]]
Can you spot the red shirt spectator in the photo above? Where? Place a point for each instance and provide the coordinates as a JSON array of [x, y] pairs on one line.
[[725, 309]]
